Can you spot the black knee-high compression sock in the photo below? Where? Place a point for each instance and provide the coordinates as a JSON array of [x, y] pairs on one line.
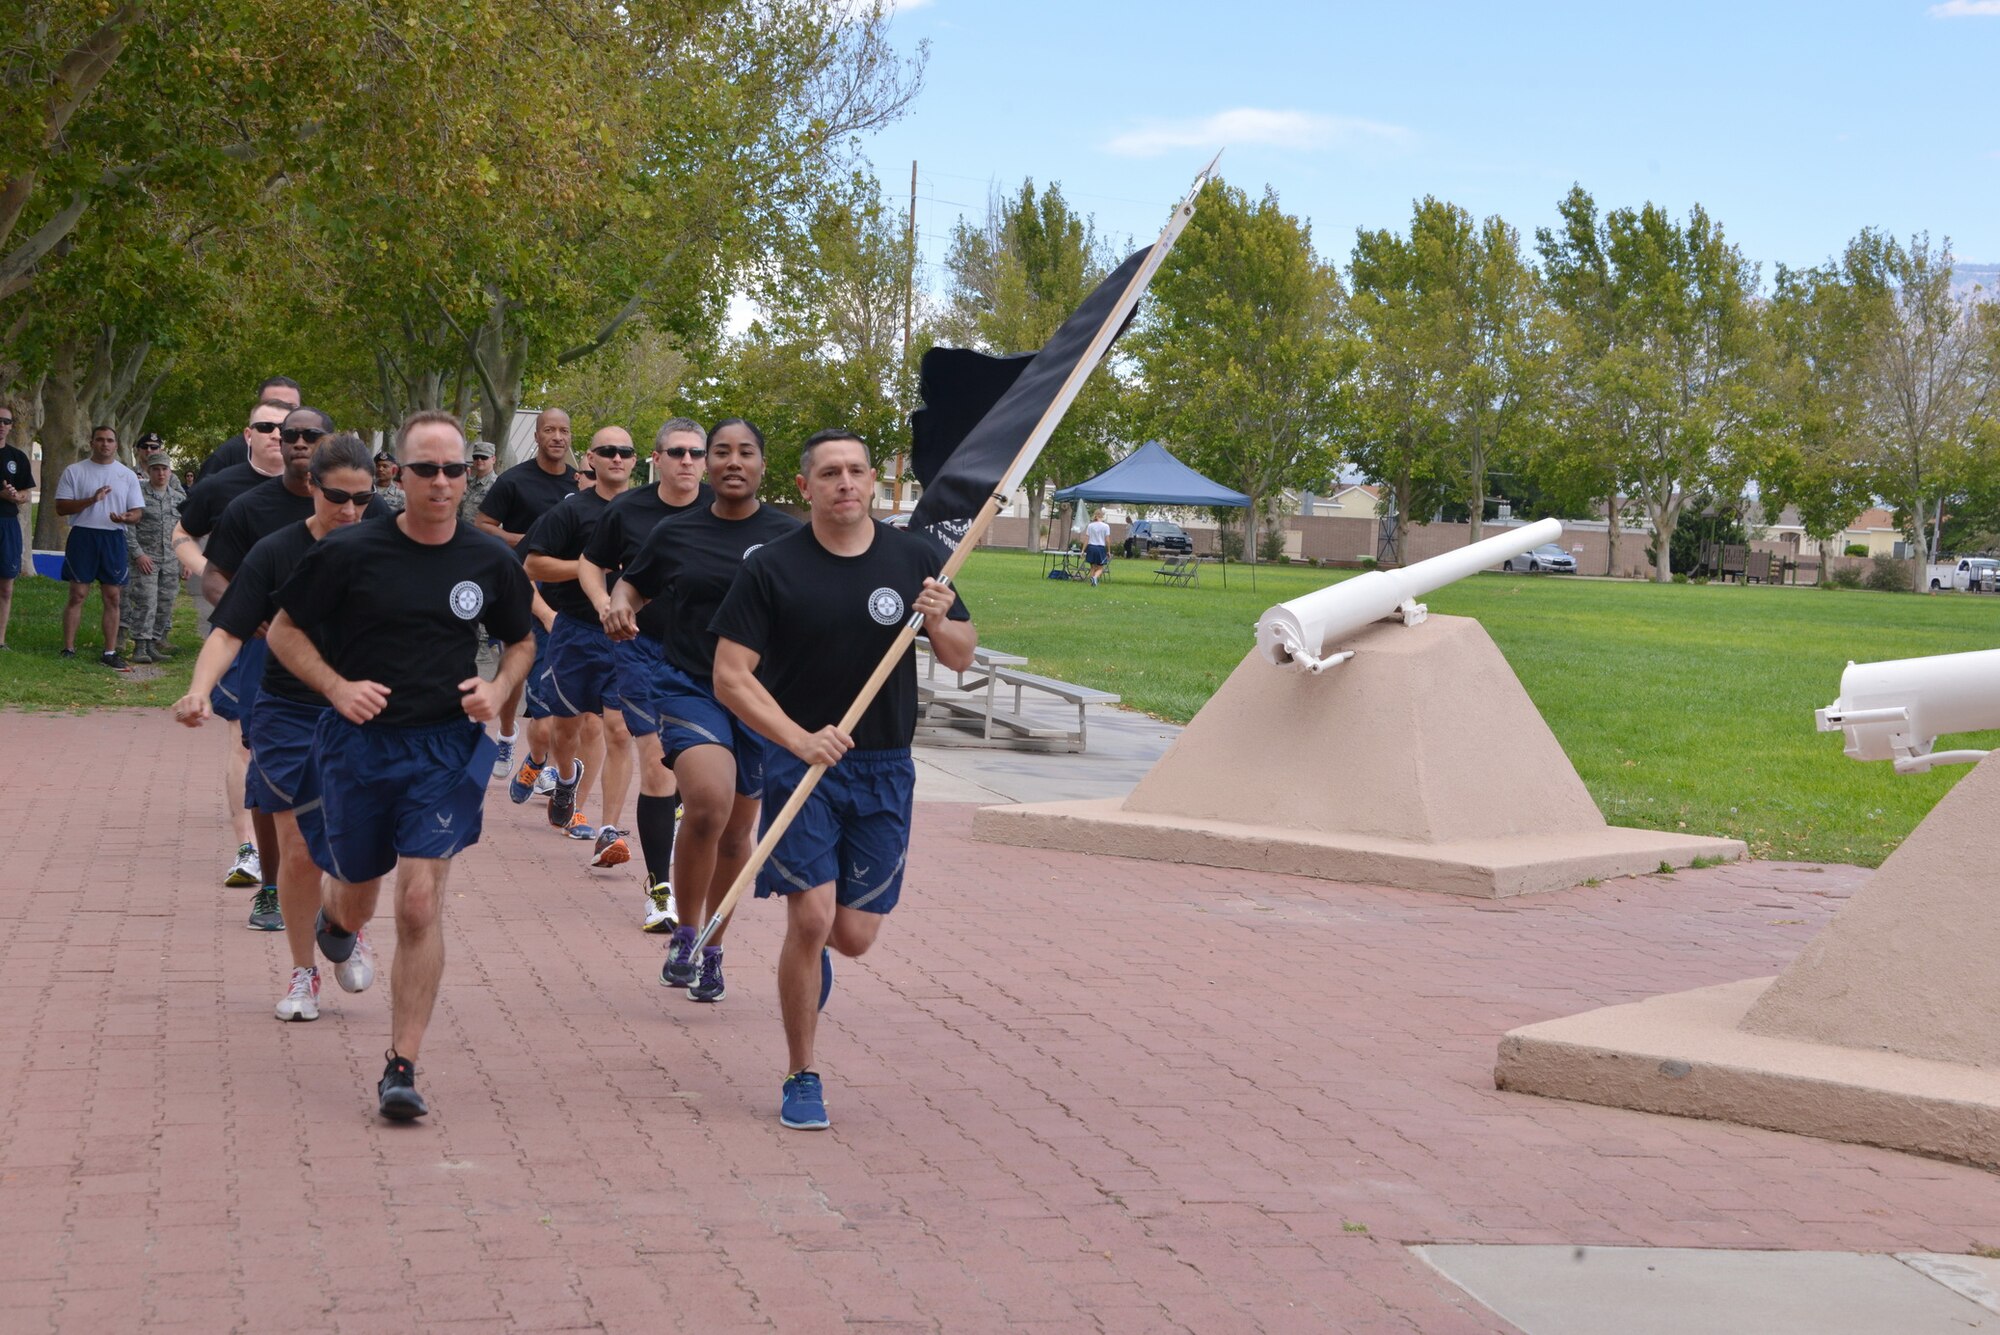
[[656, 835]]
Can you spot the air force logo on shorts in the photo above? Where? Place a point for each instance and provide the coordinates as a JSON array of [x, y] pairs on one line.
[[467, 600], [886, 606]]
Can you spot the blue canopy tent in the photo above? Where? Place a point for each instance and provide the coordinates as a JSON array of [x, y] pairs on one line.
[[1150, 475]]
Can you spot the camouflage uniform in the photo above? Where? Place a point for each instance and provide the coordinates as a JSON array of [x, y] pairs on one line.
[[148, 609], [475, 492]]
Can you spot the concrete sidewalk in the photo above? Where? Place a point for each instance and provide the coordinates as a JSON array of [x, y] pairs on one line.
[[1069, 1093]]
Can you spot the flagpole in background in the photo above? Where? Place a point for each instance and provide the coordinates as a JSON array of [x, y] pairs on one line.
[[1024, 459]]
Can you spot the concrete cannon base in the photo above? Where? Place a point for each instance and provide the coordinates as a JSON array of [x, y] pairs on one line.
[[1421, 763], [1686, 1054], [1493, 867]]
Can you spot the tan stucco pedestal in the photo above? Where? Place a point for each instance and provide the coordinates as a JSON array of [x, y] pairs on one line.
[[1885, 1029], [1420, 763]]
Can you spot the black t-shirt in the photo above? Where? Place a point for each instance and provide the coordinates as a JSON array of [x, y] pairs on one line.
[[235, 450], [822, 622], [623, 530], [386, 608], [562, 533], [687, 565], [258, 513], [16, 471], [252, 600], [524, 493], [211, 496]]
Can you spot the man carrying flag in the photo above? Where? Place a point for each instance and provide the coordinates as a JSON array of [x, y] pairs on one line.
[[801, 630]]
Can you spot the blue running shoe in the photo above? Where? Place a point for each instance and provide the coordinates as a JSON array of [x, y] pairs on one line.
[[522, 785], [679, 970], [825, 976], [335, 944], [708, 987], [804, 1106]]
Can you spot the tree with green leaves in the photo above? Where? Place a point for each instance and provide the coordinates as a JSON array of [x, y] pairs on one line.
[[1239, 357], [1012, 280], [1663, 332]]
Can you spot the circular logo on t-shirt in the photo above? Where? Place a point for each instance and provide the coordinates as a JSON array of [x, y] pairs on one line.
[[467, 598], [886, 606]]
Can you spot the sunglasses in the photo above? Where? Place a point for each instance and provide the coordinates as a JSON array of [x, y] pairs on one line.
[[293, 434], [685, 452], [615, 451], [335, 496], [6, 421], [432, 470], [264, 428]]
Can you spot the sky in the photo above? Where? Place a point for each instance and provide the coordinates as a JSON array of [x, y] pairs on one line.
[[1794, 125]]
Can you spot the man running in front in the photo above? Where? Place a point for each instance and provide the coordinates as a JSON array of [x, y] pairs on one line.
[[803, 627], [687, 564], [402, 758], [286, 716]]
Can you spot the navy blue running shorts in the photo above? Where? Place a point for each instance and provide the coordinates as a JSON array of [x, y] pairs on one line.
[[853, 831], [279, 733], [389, 793], [582, 676], [691, 716], [10, 547], [234, 696], [535, 699], [95, 556], [636, 660]]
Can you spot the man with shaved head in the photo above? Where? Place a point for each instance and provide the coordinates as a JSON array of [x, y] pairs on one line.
[[519, 497]]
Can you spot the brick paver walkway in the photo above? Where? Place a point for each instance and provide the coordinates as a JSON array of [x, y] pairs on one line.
[[1068, 1094]]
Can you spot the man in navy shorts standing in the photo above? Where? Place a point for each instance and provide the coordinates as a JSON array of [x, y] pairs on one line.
[[100, 497], [803, 627], [402, 760]]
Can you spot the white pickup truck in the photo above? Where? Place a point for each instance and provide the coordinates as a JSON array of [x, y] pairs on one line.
[[1970, 574]]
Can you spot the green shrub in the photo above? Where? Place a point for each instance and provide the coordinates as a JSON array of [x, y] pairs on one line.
[[1271, 545], [1846, 577], [1370, 563], [1855, 549], [1700, 579], [1887, 574], [1229, 541], [1680, 577]]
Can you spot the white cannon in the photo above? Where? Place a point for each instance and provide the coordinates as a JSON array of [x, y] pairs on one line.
[[1298, 634], [1897, 710]]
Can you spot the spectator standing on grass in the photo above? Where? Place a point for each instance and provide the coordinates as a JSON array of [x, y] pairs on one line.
[[156, 571], [386, 490], [1096, 545], [478, 482], [100, 497], [17, 479]]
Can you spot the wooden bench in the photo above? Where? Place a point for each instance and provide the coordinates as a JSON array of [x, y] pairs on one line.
[[1178, 570]]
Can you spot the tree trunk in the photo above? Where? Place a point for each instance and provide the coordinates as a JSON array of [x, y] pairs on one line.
[[1034, 494], [65, 439], [1250, 528], [1920, 575], [1475, 486], [1666, 518], [1403, 487], [1611, 531]]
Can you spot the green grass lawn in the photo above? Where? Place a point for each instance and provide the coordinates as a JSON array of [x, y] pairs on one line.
[[1682, 706], [33, 677]]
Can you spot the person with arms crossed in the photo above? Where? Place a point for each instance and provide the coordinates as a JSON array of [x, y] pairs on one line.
[[687, 564], [801, 630], [255, 839], [402, 758], [582, 677], [100, 497], [17, 479], [286, 715], [517, 498], [679, 453], [156, 575]]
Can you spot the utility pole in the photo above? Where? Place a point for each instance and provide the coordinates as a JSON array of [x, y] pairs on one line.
[[909, 298]]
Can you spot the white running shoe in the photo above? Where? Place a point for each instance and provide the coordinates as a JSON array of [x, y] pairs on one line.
[[545, 782], [503, 759], [659, 909], [301, 1002], [357, 971], [246, 870]]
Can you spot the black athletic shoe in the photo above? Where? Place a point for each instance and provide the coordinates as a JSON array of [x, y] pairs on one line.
[[264, 914], [562, 800], [335, 944], [67, 653], [112, 659], [400, 1101]]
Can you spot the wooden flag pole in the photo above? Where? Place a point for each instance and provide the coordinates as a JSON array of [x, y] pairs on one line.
[[1024, 460]]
